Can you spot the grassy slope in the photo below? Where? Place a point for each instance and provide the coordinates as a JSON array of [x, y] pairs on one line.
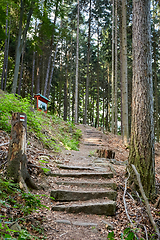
[[52, 131]]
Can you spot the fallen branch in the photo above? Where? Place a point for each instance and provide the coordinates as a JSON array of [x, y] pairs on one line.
[[126, 192], [112, 168], [124, 200], [157, 203], [3, 164], [4, 144], [145, 229], [146, 201]]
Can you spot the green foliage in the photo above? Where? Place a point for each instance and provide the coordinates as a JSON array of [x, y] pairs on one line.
[[7, 233], [30, 203], [25, 203], [110, 236], [11, 195], [52, 131], [10, 103], [128, 234]]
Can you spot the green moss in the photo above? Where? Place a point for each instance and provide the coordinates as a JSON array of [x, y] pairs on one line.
[[141, 157]]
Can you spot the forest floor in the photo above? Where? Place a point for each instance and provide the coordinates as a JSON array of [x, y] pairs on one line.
[[49, 224]]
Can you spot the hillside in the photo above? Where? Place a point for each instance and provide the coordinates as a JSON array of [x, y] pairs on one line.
[[51, 146]]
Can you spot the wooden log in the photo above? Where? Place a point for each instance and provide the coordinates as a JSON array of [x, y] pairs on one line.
[[17, 160]]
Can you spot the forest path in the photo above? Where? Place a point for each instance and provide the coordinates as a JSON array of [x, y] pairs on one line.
[[84, 191]]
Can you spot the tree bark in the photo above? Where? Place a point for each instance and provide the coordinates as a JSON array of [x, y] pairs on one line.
[[20, 43], [98, 68], [51, 48], [142, 132], [113, 82], [33, 68], [52, 70], [116, 107], [155, 60], [77, 59], [88, 58], [6, 70], [21, 72], [17, 160], [5, 52], [124, 87], [66, 89]]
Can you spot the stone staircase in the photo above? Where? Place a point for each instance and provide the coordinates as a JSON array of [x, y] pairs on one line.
[[82, 188]]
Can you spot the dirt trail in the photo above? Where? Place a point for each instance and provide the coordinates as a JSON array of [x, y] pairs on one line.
[[81, 226]]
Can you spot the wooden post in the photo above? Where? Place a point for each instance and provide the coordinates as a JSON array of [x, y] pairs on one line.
[[17, 160]]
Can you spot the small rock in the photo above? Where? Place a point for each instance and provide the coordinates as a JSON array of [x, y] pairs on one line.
[[16, 227], [63, 221]]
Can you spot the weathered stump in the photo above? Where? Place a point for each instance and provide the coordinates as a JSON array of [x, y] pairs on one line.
[[103, 153], [17, 160]]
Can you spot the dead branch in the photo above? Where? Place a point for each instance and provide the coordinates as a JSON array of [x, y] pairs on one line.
[[3, 164], [112, 168], [127, 192], [4, 144], [145, 229], [157, 203], [146, 201], [124, 200]]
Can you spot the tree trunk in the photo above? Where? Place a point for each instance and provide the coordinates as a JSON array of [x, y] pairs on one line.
[[108, 101], [77, 59], [5, 52], [116, 108], [21, 72], [88, 58], [155, 60], [39, 63], [124, 87], [113, 82], [20, 43], [98, 68], [52, 70], [33, 68], [66, 89], [50, 54], [17, 160], [6, 70], [103, 98], [142, 132]]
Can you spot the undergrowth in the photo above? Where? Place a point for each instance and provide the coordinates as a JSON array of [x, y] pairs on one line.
[[16, 206], [51, 130]]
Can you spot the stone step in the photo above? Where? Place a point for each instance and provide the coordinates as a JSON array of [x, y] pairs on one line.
[[93, 144], [77, 223], [107, 208], [66, 195], [92, 184], [92, 140], [74, 167], [93, 132], [95, 175]]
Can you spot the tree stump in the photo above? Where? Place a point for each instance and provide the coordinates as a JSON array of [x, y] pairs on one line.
[[17, 160], [103, 153]]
